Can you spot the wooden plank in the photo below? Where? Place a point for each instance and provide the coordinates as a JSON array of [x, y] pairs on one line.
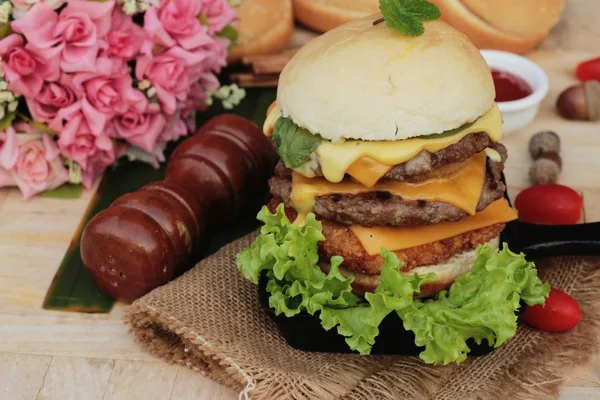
[[21, 375], [191, 385], [578, 27], [591, 204], [579, 393], [70, 334], [141, 380], [71, 378]]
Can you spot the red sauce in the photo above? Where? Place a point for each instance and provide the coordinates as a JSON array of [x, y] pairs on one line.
[[510, 87]]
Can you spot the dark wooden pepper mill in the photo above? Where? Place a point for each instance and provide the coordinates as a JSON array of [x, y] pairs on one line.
[[146, 238]]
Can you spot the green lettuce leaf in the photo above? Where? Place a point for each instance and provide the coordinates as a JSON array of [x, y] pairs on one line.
[[294, 144], [479, 305]]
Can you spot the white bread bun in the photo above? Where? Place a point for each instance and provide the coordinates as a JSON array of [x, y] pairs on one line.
[[361, 81], [510, 25], [264, 27], [446, 273], [324, 15]]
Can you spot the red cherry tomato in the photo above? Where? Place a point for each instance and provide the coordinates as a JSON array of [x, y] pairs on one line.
[[561, 313], [549, 204], [589, 70]]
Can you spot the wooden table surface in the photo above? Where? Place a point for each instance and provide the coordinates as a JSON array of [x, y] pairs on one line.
[[58, 355]]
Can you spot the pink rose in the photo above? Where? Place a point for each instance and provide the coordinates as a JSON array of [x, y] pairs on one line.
[[9, 148], [103, 97], [174, 129], [6, 179], [77, 141], [26, 68], [75, 31], [169, 74], [175, 22], [39, 166], [218, 13], [125, 38], [140, 125], [52, 97], [216, 54], [96, 166]]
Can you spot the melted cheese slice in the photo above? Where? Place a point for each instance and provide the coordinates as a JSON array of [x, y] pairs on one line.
[[367, 171], [399, 238], [336, 158], [461, 189]]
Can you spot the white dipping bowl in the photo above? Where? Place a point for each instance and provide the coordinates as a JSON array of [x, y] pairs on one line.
[[519, 113]]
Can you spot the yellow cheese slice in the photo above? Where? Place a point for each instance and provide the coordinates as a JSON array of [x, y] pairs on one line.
[[336, 158], [399, 238], [461, 189], [368, 171]]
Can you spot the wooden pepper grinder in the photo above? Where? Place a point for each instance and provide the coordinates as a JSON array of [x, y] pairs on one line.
[[146, 238]]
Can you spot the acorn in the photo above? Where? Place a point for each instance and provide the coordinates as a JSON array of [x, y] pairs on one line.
[[580, 102]]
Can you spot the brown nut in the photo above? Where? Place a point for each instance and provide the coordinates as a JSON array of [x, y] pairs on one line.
[[544, 142], [572, 104], [580, 102], [545, 169]]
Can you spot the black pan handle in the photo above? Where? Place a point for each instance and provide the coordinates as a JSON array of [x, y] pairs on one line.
[[540, 241]]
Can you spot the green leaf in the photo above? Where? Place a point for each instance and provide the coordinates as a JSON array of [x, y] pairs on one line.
[[447, 133], [229, 32], [66, 191], [7, 120], [294, 144], [479, 305], [407, 16], [5, 30]]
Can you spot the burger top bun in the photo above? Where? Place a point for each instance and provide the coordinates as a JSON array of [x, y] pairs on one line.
[[369, 82], [324, 15], [264, 27], [510, 25]]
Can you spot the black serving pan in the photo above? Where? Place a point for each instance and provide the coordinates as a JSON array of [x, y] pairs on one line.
[[304, 332]]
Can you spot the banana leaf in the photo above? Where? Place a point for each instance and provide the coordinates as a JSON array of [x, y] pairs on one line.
[[72, 289]]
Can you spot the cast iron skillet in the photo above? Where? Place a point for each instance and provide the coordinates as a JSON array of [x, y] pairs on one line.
[[304, 332]]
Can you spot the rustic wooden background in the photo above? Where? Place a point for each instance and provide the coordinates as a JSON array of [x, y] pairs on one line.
[[55, 355]]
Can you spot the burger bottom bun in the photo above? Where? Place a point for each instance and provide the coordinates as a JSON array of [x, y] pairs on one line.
[[324, 15], [264, 27], [446, 273]]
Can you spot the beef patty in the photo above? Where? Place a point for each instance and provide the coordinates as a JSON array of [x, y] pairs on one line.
[[421, 166], [341, 241], [382, 208]]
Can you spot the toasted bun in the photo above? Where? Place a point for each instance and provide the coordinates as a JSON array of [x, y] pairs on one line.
[[445, 273], [324, 15], [512, 25], [367, 82], [264, 27]]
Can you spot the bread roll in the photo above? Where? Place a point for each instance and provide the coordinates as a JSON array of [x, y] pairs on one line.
[[513, 25], [323, 15], [264, 27]]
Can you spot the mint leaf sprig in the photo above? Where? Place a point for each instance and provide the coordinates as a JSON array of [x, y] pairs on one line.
[[407, 16]]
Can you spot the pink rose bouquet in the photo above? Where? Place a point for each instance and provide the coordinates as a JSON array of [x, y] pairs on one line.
[[84, 83]]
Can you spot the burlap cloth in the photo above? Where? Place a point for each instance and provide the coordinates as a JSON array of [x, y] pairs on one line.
[[210, 320]]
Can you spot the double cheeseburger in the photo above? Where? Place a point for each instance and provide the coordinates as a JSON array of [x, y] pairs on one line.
[[390, 150], [409, 157]]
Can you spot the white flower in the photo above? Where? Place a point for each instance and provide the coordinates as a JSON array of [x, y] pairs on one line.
[[5, 11], [131, 7], [74, 171], [230, 96]]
